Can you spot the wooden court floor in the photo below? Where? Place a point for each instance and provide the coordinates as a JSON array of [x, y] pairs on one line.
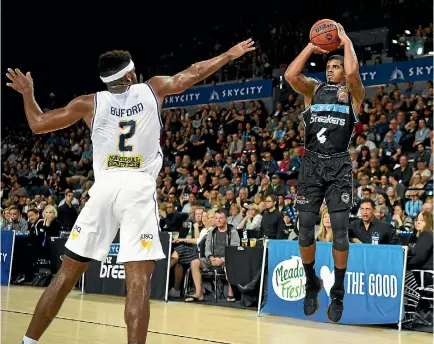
[[99, 319]]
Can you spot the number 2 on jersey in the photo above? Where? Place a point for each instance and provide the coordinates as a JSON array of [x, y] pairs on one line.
[[320, 135], [131, 130]]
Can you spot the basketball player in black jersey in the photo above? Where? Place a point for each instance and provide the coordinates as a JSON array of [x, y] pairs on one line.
[[326, 171]]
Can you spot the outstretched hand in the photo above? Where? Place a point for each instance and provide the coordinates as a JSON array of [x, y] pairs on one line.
[[241, 48], [20, 82]]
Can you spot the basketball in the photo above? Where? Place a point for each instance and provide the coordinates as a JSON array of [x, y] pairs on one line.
[[324, 34]]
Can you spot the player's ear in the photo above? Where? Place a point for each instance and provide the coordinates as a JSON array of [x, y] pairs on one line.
[[129, 77]]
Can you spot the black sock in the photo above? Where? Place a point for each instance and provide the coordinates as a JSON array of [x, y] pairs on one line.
[[338, 289], [310, 272]]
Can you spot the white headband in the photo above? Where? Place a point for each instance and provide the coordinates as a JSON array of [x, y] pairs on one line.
[[119, 74]]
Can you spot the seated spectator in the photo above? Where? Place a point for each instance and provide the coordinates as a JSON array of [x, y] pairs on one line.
[[325, 233], [216, 241], [252, 220], [370, 230], [272, 225], [420, 257], [186, 250], [381, 212], [170, 219], [16, 222], [236, 216], [51, 226], [400, 221], [414, 205], [68, 213]]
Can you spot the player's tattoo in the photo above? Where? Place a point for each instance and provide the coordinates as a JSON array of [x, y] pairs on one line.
[[303, 80]]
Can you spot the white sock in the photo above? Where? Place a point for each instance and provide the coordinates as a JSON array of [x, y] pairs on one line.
[[27, 340]]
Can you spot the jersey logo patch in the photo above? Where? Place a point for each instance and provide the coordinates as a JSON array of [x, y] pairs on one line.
[[330, 108], [343, 96], [120, 161]]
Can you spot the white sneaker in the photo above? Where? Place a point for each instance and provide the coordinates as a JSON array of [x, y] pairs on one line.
[[174, 293]]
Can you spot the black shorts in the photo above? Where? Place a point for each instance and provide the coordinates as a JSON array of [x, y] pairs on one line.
[[325, 177]]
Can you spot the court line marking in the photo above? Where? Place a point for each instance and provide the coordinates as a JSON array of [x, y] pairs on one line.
[[120, 326]]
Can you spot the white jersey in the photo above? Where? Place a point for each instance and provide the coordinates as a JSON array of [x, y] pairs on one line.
[[126, 132]]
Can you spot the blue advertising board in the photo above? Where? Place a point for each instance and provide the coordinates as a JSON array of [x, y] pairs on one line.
[[6, 254], [396, 72], [237, 91], [373, 282]]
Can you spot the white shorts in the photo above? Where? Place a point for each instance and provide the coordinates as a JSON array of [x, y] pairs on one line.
[[125, 200]]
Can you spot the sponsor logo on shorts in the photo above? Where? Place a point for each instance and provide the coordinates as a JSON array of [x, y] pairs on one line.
[[345, 197], [114, 249], [119, 161], [146, 240], [75, 232], [109, 269], [289, 279], [302, 200]]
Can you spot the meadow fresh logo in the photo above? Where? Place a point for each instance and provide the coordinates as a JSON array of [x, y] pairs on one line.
[[289, 279]]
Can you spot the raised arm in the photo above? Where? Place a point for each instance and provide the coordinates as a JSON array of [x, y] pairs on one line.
[[351, 67], [166, 85], [40, 122], [299, 82]]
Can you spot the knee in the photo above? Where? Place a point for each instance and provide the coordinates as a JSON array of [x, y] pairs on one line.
[[340, 224], [195, 264], [306, 229], [340, 240]]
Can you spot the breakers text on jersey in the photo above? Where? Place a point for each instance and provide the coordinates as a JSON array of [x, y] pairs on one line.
[[327, 119], [126, 112]]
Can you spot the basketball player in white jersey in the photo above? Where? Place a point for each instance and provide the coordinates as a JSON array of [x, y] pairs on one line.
[[125, 122]]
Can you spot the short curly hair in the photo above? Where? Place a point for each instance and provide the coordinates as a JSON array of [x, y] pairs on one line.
[[112, 62]]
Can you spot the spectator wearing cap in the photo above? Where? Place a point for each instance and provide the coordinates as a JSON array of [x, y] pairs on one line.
[[252, 188], [423, 170], [276, 185]]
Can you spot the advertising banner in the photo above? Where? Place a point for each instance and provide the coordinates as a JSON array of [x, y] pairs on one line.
[[236, 91], [108, 277], [389, 73], [373, 282], [7, 251]]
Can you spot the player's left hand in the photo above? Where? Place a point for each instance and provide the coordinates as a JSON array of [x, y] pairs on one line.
[[342, 35], [20, 82]]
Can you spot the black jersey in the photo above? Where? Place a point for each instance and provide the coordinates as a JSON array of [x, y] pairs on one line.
[[329, 120]]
